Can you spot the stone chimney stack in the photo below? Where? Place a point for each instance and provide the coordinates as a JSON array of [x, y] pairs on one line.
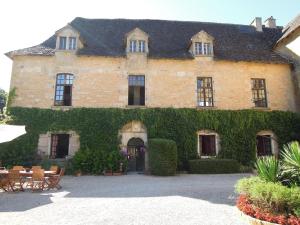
[[257, 23], [270, 22]]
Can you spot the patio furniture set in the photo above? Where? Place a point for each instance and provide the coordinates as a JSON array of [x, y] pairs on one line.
[[37, 179]]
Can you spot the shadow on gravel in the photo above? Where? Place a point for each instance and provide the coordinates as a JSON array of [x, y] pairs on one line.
[[217, 189]]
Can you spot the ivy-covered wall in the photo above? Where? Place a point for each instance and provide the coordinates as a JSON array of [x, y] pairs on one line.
[[98, 129]]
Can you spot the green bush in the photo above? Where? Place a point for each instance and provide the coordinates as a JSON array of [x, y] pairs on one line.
[[213, 166], [291, 163], [268, 168], [95, 161], [162, 157], [98, 129], [271, 197]]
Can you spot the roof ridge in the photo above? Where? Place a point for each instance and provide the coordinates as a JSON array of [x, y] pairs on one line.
[[162, 20]]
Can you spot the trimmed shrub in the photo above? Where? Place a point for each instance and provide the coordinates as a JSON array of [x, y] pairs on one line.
[[213, 166], [270, 197], [162, 157]]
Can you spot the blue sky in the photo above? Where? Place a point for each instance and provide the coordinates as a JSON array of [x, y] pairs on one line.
[[27, 23]]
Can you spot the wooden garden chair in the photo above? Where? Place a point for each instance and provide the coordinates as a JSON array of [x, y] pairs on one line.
[[37, 181], [15, 180], [53, 180], [36, 168], [18, 168], [54, 169], [4, 182]]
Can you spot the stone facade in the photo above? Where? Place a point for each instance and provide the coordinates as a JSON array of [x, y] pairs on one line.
[[102, 81]]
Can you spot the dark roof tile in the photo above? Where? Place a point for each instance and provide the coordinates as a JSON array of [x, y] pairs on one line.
[[170, 39]]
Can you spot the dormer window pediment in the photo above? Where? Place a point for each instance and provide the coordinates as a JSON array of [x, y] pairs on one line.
[[68, 39], [137, 41], [202, 44]]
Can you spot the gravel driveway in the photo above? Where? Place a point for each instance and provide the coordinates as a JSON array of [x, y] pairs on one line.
[[127, 200]]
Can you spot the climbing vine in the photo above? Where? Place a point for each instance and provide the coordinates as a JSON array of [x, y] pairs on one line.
[[98, 129]]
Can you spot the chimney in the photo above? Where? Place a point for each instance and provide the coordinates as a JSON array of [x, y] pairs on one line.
[[270, 22], [257, 24]]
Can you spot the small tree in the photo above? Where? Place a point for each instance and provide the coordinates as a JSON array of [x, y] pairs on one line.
[[3, 99]]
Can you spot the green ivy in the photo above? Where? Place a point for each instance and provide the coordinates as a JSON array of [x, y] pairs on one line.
[[98, 129]]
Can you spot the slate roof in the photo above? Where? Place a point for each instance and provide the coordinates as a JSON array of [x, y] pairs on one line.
[[169, 39], [290, 27]]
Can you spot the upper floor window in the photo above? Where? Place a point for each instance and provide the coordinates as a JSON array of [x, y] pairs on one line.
[[137, 46], [62, 43], [136, 90], [63, 90], [205, 92], [259, 92], [202, 48], [72, 43]]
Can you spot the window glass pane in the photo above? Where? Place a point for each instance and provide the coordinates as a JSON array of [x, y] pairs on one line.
[[136, 90], [204, 91], [259, 92], [62, 42], [141, 46], [207, 145], [72, 43], [133, 47], [198, 48], [63, 93]]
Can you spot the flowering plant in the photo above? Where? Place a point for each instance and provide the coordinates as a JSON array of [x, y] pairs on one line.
[[246, 206]]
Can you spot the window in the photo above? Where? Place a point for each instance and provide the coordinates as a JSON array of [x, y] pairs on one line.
[[264, 145], [205, 92], [62, 43], [259, 92], [136, 90], [207, 145], [63, 91], [141, 46], [137, 46], [72, 43], [59, 145], [202, 48], [133, 46]]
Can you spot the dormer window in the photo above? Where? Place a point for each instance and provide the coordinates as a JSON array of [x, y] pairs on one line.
[[202, 48], [137, 46], [72, 43], [202, 44], [62, 43], [137, 42]]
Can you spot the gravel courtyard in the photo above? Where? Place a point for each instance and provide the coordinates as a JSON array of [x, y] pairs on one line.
[[128, 200]]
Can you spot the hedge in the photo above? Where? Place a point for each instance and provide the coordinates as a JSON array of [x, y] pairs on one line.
[[98, 129], [272, 197], [211, 166], [162, 157]]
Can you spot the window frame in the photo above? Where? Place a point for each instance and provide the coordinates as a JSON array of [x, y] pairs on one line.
[[142, 100], [264, 138], [60, 43], [72, 45], [211, 89], [63, 91], [256, 91], [53, 149], [137, 46], [202, 48]]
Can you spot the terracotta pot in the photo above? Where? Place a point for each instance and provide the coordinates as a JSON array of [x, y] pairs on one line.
[[117, 173], [108, 173], [78, 174], [254, 221]]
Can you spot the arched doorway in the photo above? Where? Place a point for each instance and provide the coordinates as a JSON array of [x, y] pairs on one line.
[[136, 154]]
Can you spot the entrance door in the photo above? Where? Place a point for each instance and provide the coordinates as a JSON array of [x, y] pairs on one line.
[[136, 154], [60, 145]]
